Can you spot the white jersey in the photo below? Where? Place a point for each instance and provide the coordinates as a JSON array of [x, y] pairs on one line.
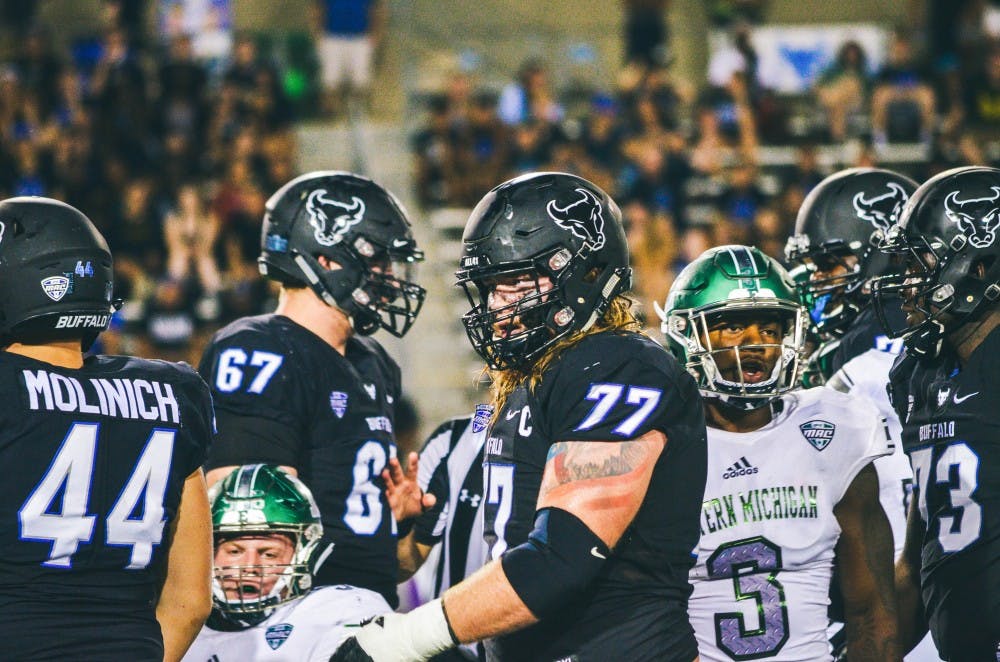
[[768, 532], [303, 630], [866, 376]]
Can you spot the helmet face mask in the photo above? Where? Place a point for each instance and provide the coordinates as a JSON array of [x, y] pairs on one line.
[[738, 286], [544, 256], [947, 245], [836, 236], [362, 229], [250, 592], [779, 362], [260, 511]]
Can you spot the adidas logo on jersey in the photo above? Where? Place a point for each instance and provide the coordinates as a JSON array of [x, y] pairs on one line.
[[740, 468]]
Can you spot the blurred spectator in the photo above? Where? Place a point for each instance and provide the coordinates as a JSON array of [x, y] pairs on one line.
[[741, 201], [437, 174], [737, 57], [646, 32], [128, 16], [119, 96], [903, 99], [983, 95], [652, 244], [38, 68], [349, 32], [458, 93], [602, 134], [183, 86], [136, 233], [530, 97], [770, 232], [843, 88], [242, 70], [484, 149], [190, 231], [805, 173]]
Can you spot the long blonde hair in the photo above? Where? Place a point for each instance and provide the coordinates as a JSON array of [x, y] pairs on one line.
[[618, 317]]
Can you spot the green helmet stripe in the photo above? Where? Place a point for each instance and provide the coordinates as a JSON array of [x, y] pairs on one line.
[[245, 480], [744, 265]]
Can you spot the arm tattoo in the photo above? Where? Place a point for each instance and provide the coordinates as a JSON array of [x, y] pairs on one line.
[[578, 461]]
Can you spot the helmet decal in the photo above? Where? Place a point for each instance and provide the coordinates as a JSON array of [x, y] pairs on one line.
[[56, 287], [583, 218], [978, 218], [881, 211], [330, 228]]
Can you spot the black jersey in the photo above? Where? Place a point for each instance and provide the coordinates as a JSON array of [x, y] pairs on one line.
[[94, 462], [951, 431], [285, 396], [610, 386]]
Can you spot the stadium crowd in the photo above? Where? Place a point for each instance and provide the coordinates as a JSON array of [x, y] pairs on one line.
[[173, 159], [693, 169]]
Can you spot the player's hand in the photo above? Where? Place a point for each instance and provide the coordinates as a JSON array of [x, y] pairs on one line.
[[413, 637], [402, 491]]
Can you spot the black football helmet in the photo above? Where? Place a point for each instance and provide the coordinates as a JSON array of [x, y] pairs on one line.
[[359, 225], [839, 219], [948, 238], [546, 224], [55, 273]]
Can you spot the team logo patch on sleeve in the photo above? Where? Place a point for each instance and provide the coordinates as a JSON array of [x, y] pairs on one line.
[[277, 635], [818, 433], [338, 403], [482, 417]]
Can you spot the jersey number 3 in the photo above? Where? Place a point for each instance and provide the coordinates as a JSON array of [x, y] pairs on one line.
[[66, 525], [746, 562], [958, 469]]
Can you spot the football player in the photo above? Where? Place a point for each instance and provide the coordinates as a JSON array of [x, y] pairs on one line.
[[105, 533], [306, 388], [595, 458], [835, 242], [791, 487], [945, 390], [267, 529]]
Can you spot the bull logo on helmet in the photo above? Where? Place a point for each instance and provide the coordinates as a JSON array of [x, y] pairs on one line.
[[977, 218], [584, 218], [881, 211], [331, 219]]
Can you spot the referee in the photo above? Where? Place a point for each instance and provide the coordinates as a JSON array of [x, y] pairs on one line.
[[451, 468]]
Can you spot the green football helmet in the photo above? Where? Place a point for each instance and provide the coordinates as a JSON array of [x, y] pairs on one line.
[[729, 281], [259, 500]]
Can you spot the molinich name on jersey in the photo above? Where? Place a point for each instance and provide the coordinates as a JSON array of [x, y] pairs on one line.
[[122, 398]]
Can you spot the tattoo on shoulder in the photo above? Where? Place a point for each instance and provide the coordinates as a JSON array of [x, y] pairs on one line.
[[583, 460]]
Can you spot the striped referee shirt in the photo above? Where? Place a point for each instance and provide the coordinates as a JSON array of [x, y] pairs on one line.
[[451, 468]]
